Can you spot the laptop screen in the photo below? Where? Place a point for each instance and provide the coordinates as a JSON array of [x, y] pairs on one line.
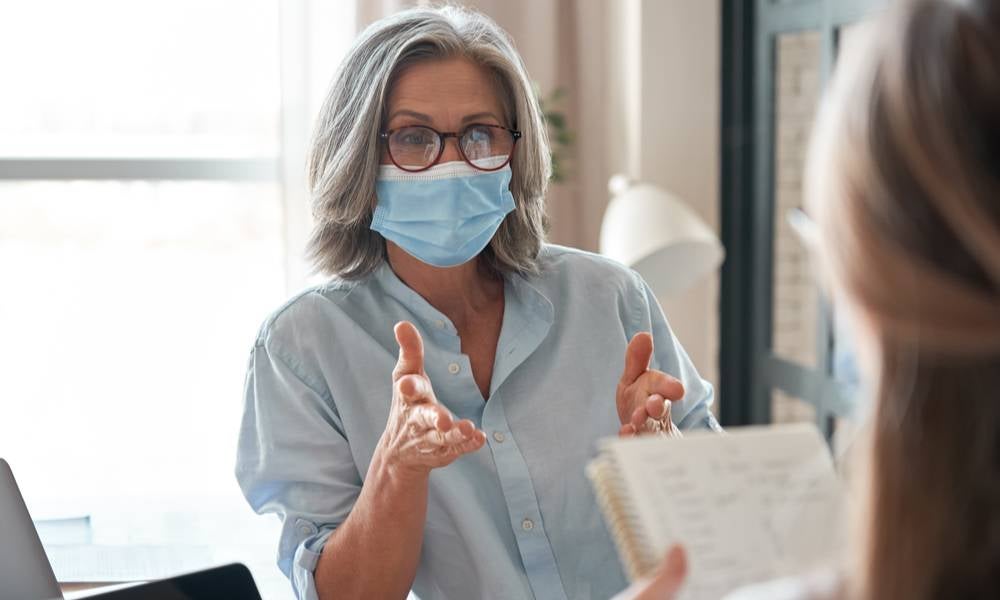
[[228, 581], [24, 568]]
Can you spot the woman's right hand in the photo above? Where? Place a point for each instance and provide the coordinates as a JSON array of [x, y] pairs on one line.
[[421, 434], [664, 583]]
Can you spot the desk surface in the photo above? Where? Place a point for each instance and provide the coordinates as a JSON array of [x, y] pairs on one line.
[[81, 587], [271, 583], [75, 591], [229, 532]]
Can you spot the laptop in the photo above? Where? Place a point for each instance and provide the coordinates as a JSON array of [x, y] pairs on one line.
[[227, 581], [25, 572], [24, 568]]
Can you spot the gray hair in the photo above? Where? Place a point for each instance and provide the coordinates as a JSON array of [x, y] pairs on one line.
[[344, 159]]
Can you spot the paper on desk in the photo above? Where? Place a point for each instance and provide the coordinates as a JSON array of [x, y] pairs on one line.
[[89, 563], [761, 503]]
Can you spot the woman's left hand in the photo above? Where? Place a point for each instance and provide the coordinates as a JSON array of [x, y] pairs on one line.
[[664, 583], [644, 393]]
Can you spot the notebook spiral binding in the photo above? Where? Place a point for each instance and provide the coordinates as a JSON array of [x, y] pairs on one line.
[[623, 523]]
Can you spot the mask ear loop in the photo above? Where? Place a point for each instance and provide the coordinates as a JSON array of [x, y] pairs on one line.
[[804, 227]]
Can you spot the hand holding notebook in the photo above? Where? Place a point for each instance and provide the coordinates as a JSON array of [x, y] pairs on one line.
[[751, 505]]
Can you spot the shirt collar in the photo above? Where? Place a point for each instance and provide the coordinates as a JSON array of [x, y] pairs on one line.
[[528, 316]]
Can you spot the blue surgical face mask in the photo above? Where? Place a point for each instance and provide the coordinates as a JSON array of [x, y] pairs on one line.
[[846, 371], [443, 216]]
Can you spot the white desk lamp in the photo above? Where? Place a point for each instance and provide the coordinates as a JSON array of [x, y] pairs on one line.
[[653, 232]]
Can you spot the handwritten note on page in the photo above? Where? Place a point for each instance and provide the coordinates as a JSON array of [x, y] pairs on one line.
[[750, 505]]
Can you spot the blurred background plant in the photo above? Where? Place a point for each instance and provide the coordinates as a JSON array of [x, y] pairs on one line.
[[560, 136]]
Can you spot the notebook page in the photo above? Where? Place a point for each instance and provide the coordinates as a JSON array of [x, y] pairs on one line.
[[748, 506]]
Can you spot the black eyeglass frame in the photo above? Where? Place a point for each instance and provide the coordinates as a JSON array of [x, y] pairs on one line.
[[443, 137]]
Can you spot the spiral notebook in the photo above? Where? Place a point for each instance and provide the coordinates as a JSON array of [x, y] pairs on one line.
[[750, 505]]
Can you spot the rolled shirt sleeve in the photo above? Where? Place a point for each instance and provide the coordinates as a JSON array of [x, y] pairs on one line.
[[694, 410], [293, 459]]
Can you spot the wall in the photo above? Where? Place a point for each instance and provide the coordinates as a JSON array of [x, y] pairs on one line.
[[679, 141], [795, 295]]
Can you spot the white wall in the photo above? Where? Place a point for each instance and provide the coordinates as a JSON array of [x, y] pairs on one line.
[[679, 141]]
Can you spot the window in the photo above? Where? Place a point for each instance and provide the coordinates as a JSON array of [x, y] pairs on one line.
[[781, 357], [151, 216], [117, 78]]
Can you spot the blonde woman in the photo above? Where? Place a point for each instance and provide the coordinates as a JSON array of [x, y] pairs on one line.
[[904, 181], [423, 420]]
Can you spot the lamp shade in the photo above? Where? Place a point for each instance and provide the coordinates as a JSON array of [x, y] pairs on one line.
[[656, 234]]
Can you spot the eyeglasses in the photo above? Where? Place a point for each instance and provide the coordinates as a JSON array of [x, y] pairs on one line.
[[418, 148]]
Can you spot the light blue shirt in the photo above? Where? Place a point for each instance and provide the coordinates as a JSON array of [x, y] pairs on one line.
[[517, 519]]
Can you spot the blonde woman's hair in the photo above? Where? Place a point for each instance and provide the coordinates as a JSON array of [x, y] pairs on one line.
[[344, 159], [904, 178]]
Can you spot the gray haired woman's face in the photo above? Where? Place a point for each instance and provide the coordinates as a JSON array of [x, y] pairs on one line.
[[446, 95]]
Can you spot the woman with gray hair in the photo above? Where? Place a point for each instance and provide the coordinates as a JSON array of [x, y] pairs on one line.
[[428, 172]]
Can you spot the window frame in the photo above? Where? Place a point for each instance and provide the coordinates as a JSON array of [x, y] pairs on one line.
[[297, 32], [132, 169], [748, 367]]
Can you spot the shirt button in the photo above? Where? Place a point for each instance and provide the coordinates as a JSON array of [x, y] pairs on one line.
[[453, 368], [304, 529], [499, 436], [527, 524], [439, 323]]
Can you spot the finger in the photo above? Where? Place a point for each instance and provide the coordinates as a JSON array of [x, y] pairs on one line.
[[669, 578], [638, 418], [445, 455], [434, 438], [626, 430], [419, 447], [668, 386], [477, 441], [414, 389], [467, 427], [637, 356], [657, 407], [453, 437], [433, 417], [411, 351], [662, 584], [444, 422], [433, 446]]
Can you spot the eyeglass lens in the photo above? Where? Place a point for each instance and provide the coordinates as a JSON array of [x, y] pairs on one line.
[[418, 147]]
